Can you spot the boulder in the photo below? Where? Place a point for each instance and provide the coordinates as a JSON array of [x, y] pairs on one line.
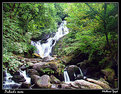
[[23, 67], [109, 74], [42, 65], [44, 82], [34, 78], [48, 58], [86, 85], [39, 66], [74, 72], [18, 78], [103, 85], [25, 85], [54, 86], [32, 72], [54, 80]]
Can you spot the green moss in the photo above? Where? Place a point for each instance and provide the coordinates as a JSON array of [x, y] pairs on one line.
[[109, 73]]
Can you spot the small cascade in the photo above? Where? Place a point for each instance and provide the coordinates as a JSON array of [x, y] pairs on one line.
[[28, 79], [8, 83], [66, 77], [81, 72], [74, 72], [45, 49]]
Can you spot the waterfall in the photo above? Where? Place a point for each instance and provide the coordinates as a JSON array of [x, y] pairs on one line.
[[8, 83], [45, 49], [28, 79], [74, 74], [81, 72], [66, 77]]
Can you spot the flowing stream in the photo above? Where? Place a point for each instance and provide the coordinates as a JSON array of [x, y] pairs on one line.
[[67, 78], [8, 83], [45, 49]]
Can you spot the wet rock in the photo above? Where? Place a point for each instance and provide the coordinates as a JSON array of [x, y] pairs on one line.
[[27, 60], [23, 67], [34, 78], [54, 80], [39, 66], [87, 85], [47, 59], [32, 72], [66, 86], [103, 85], [25, 85], [42, 65], [74, 72], [54, 86], [4, 74], [18, 78]]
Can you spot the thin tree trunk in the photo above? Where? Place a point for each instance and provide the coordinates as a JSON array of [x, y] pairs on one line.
[[105, 27]]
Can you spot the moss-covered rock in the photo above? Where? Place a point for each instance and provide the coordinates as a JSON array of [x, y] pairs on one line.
[[109, 73]]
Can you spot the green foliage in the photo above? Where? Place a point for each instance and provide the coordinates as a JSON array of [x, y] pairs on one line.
[[24, 21], [87, 31], [47, 70]]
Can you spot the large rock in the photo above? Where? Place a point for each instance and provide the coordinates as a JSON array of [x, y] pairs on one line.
[[102, 84], [39, 66], [109, 74], [42, 65], [25, 85], [17, 77], [48, 58], [87, 85], [54, 80], [32, 72], [74, 72], [41, 82], [34, 78], [44, 82]]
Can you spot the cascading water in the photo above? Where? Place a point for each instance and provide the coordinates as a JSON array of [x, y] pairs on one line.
[[45, 49], [28, 79], [66, 76], [76, 75], [8, 83]]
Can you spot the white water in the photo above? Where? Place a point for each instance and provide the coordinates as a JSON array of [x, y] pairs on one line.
[[66, 77], [81, 72], [45, 49], [8, 83], [28, 79]]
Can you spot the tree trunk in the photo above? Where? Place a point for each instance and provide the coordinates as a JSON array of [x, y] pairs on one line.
[[105, 27]]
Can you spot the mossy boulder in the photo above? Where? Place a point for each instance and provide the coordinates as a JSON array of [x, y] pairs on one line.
[[44, 82], [109, 73]]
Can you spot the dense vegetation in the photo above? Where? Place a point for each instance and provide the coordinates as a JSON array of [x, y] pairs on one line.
[[93, 31], [23, 22]]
